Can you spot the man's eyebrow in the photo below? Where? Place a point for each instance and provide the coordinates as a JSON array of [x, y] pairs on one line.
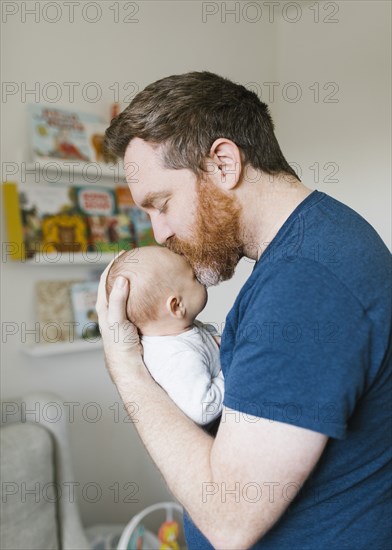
[[151, 197]]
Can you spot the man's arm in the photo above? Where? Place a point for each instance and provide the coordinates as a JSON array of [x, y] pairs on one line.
[[249, 454]]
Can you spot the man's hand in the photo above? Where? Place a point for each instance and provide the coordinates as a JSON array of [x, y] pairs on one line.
[[120, 337]]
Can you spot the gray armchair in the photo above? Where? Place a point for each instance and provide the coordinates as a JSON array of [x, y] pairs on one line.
[[35, 459]]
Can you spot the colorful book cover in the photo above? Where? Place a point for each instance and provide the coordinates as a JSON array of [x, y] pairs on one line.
[[109, 229], [61, 133], [95, 138], [47, 219], [83, 298], [139, 222], [143, 228], [50, 220]]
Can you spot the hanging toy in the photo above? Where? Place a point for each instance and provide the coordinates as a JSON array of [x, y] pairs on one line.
[[167, 534]]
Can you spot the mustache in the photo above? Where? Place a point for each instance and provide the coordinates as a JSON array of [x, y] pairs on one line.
[[194, 252], [208, 257], [201, 250]]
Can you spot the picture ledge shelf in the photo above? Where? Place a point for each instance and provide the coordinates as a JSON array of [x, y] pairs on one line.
[[58, 348], [87, 259]]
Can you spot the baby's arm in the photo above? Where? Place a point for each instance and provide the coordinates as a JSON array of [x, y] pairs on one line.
[[187, 380]]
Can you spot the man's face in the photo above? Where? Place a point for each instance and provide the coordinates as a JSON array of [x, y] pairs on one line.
[[196, 219]]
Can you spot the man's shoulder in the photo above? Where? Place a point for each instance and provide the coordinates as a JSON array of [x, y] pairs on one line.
[[336, 235], [294, 279], [327, 247]]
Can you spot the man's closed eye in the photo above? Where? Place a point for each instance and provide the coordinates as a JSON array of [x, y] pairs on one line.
[[163, 208]]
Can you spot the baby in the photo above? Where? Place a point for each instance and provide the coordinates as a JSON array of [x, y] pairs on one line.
[[180, 352]]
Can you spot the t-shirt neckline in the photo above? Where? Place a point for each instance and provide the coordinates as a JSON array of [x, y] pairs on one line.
[[308, 201]]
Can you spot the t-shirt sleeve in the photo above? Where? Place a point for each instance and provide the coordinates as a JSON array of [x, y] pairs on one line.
[[187, 379], [301, 350]]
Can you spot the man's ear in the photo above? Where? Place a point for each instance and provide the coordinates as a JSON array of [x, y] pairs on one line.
[[225, 163], [175, 306]]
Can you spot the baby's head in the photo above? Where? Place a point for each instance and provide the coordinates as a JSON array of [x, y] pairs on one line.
[[164, 292]]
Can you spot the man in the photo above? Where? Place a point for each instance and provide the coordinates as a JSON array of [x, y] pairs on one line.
[[302, 452]]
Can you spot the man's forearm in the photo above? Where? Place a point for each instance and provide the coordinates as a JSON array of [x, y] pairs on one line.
[[180, 449]]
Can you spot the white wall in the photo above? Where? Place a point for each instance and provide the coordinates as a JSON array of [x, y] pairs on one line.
[[355, 132], [171, 37]]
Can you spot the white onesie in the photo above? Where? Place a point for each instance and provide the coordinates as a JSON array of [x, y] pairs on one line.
[[187, 366]]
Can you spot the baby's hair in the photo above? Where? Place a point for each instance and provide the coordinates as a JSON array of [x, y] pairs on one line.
[[143, 305]]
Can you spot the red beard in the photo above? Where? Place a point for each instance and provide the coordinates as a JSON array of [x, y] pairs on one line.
[[216, 247]]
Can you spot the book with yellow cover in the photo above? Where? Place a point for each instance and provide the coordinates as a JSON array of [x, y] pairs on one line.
[[46, 219]]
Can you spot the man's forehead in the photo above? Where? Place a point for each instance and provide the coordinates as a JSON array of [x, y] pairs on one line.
[[140, 160], [139, 147], [146, 174]]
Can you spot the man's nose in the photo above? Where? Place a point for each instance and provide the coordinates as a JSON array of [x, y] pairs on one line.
[[161, 230]]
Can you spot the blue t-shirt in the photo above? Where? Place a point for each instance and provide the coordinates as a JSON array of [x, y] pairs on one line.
[[307, 342]]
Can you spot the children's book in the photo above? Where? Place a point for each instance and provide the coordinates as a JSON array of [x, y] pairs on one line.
[[60, 133], [95, 138], [84, 297], [54, 311], [139, 224], [98, 207], [47, 219], [67, 135]]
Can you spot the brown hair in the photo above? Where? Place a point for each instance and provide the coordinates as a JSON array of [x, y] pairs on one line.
[[143, 305], [186, 113]]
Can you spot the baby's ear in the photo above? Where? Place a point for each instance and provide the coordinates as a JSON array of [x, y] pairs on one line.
[[175, 307]]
